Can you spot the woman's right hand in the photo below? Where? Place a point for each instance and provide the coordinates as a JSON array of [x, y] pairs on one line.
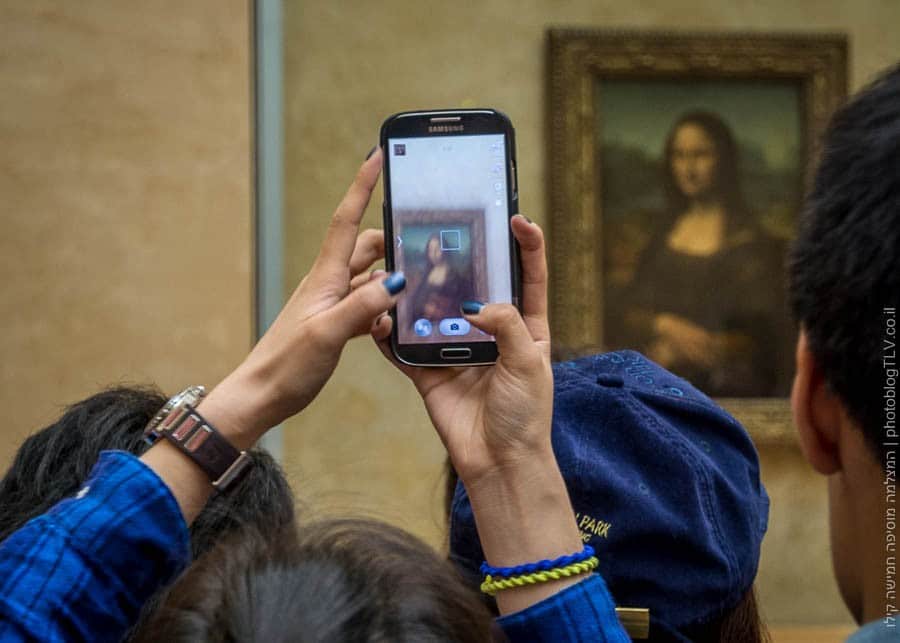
[[495, 422], [492, 418]]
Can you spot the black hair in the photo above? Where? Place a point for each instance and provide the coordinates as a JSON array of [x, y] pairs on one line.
[[727, 184], [742, 623], [53, 464], [844, 266], [331, 581]]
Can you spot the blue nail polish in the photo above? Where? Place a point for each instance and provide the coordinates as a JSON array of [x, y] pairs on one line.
[[371, 152], [471, 307], [395, 282]]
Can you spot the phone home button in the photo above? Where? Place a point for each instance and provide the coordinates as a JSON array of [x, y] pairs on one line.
[[456, 353]]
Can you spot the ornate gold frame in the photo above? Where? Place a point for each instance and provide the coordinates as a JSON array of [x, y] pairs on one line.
[[577, 58]]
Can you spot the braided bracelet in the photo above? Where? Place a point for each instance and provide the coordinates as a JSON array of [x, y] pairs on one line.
[[491, 586], [541, 565]]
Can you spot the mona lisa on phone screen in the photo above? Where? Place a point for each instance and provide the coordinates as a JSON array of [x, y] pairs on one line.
[[450, 190]]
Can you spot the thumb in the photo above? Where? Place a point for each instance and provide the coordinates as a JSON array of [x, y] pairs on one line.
[[355, 313], [504, 322]]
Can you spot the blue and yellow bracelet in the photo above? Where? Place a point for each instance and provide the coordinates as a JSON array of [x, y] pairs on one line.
[[491, 586], [542, 571]]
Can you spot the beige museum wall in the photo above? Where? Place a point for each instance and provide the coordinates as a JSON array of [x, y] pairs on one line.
[[365, 444], [125, 252]]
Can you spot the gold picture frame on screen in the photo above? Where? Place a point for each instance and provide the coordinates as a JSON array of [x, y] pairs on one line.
[[677, 167]]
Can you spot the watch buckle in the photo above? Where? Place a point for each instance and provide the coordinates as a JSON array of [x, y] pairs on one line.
[[233, 472]]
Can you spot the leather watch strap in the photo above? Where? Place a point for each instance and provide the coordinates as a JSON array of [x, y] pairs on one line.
[[188, 430]]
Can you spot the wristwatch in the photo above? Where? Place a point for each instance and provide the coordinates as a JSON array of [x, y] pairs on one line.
[[180, 423]]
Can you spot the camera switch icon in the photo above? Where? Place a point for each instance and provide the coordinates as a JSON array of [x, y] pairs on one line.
[[422, 328]]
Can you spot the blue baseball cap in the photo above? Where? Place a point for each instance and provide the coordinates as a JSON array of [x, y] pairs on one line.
[[665, 487]]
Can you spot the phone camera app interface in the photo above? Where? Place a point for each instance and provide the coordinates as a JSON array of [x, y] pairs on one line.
[[450, 219]]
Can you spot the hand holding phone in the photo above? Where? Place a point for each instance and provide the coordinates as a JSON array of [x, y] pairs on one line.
[[450, 191], [496, 422], [493, 418]]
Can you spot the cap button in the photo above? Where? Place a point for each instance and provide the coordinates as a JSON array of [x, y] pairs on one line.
[[608, 379]]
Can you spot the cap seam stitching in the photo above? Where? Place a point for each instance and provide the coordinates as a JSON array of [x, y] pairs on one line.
[[679, 443]]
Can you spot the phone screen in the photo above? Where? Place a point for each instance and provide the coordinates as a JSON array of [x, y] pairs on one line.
[[450, 218]]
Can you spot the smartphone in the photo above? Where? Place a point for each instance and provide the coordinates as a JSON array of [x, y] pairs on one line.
[[450, 189]]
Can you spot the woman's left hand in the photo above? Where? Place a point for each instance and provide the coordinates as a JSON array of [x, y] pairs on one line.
[[298, 353], [498, 416], [495, 422]]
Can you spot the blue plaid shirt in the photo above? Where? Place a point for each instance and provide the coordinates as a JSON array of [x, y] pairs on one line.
[[83, 570]]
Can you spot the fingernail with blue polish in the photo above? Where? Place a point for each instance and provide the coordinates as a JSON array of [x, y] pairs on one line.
[[395, 282], [471, 307], [371, 152]]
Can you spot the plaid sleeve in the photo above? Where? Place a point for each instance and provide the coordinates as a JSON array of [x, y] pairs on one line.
[[83, 570], [581, 613]]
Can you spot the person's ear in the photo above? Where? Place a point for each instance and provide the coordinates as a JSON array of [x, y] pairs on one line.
[[817, 412]]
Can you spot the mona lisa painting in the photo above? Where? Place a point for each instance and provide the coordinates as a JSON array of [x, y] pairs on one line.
[[677, 168], [701, 186]]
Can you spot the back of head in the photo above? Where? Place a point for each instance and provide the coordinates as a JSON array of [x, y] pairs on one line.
[[331, 581], [845, 261], [53, 463]]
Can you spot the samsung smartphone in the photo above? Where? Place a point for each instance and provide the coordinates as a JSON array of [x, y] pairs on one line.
[[450, 190]]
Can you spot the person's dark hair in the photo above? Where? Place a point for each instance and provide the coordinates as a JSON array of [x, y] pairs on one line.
[[727, 175], [53, 463], [844, 267], [740, 624], [330, 581]]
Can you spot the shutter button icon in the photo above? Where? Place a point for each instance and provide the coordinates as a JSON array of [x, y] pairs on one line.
[[454, 326]]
